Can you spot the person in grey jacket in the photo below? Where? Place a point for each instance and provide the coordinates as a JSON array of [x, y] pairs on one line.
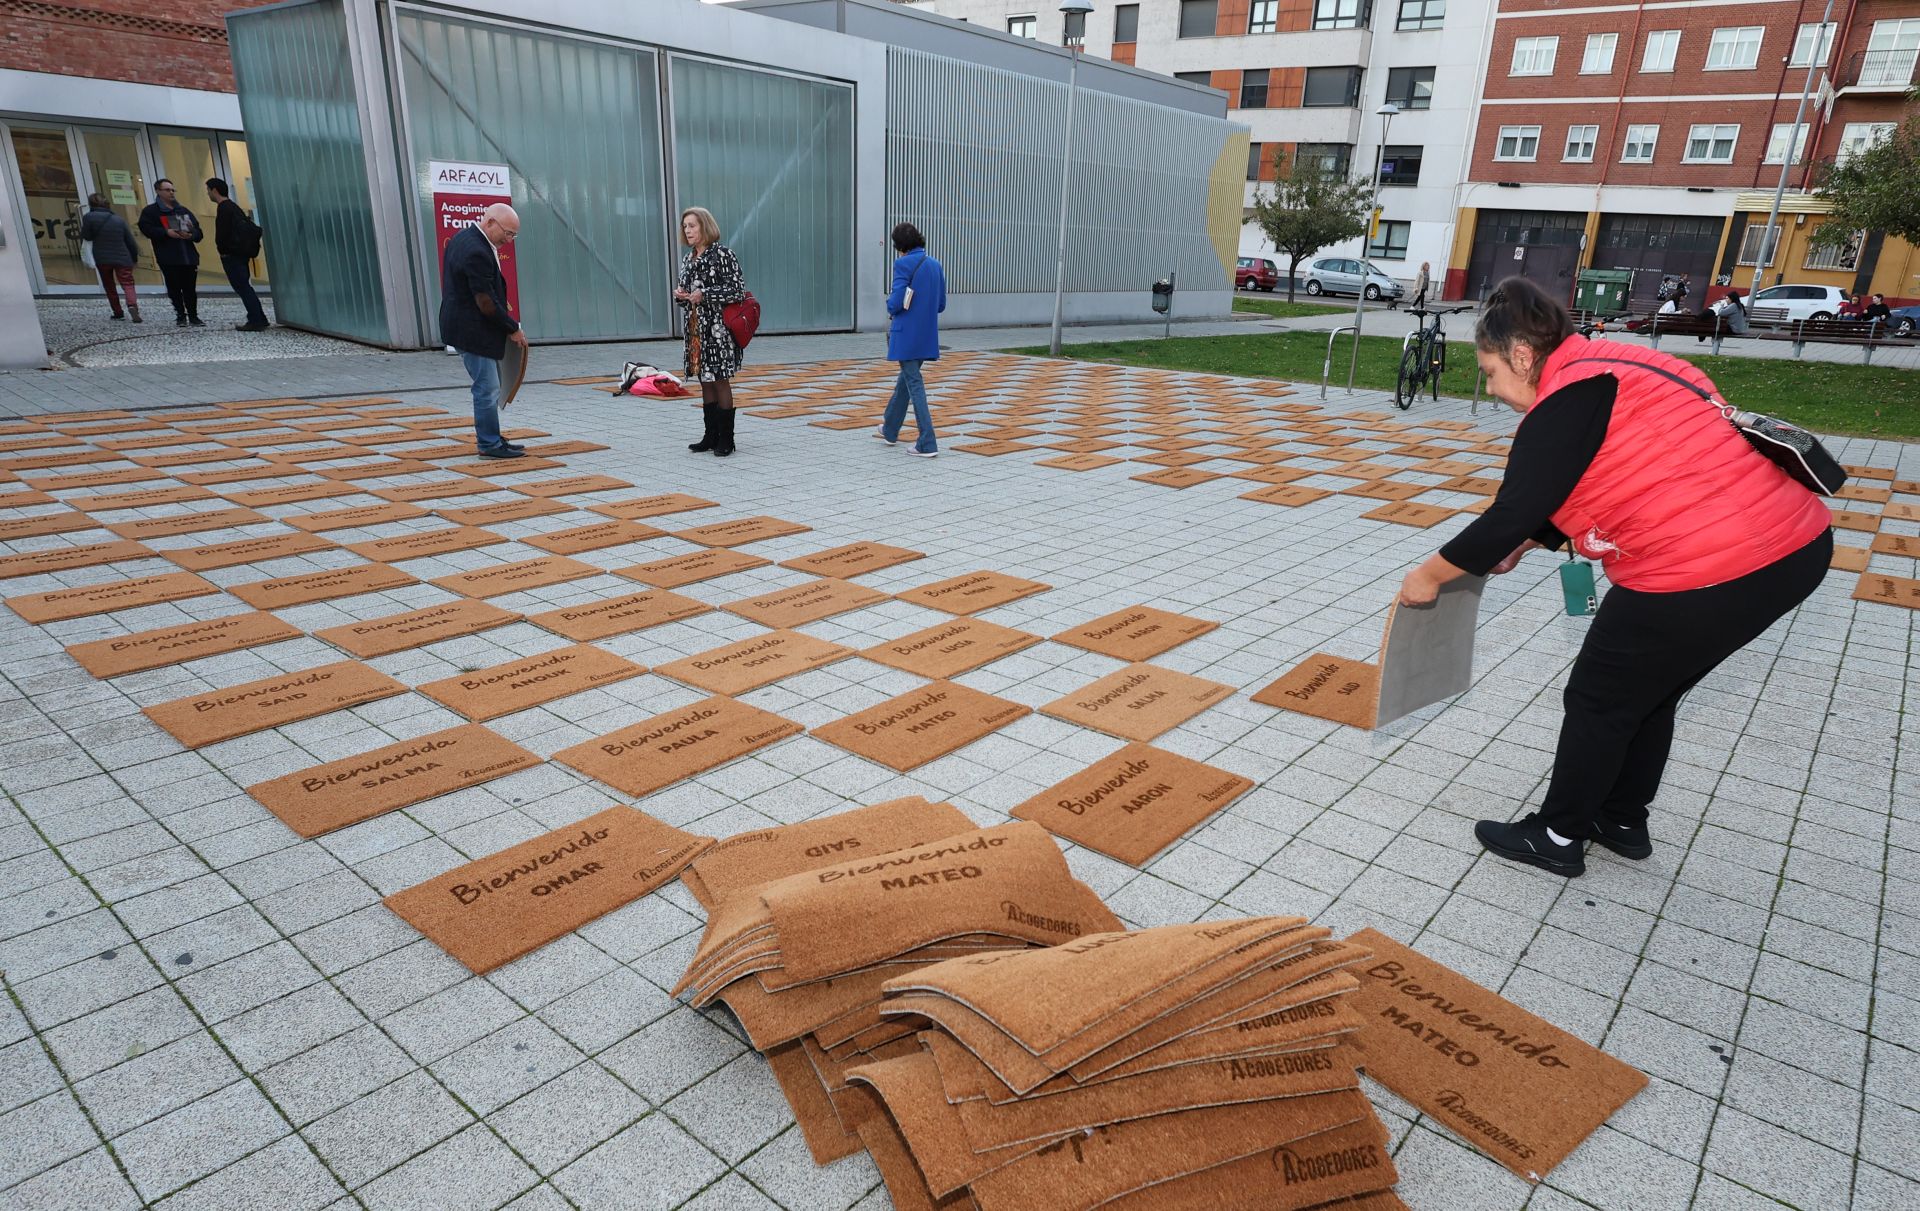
[[114, 254]]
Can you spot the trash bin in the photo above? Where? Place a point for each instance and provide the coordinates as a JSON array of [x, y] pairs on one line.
[[1163, 295], [1603, 292]]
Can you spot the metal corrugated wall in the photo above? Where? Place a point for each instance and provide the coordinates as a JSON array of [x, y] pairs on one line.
[[973, 160]]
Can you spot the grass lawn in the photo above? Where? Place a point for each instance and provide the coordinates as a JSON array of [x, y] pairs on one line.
[[1827, 397], [1269, 305]]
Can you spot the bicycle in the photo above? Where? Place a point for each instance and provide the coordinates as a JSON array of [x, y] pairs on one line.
[[1424, 358]]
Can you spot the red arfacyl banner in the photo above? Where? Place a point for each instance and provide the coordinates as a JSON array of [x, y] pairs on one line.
[[460, 192]]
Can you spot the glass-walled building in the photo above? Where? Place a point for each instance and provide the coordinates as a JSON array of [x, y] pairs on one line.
[[602, 120]]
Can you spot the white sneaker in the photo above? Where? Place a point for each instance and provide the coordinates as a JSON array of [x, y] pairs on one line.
[[882, 437], [924, 453]]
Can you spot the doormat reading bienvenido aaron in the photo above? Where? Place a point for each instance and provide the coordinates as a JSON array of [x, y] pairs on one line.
[[1134, 803]]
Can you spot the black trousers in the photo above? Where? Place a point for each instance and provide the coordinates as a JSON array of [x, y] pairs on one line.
[[240, 277], [1643, 653], [183, 288]]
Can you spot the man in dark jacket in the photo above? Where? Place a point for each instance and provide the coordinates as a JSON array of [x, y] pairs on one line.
[[114, 254], [474, 319], [238, 241], [174, 232]]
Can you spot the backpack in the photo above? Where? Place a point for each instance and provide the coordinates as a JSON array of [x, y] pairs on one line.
[[247, 234]]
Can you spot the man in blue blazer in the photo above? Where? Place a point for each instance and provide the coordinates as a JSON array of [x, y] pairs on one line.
[[918, 297], [474, 318]]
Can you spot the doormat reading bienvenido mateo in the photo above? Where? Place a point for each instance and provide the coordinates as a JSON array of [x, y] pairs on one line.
[[500, 907], [906, 732]]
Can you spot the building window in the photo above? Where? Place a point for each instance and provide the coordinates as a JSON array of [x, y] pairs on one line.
[[1640, 144], [1856, 137], [1711, 144], [1891, 50], [1024, 27], [1263, 16], [1812, 46], [1336, 159], [1735, 48], [1399, 165], [1126, 23], [1198, 17], [1390, 244], [1580, 141], [1332, 86], [1341, 14], [1534, 56], [1410, 87], [1422, 14], [1253, 161], [1253, 89], [1074, 32], [1203, 78], [1518, 143], [1843, 258], [1662, 46], [1750, 245], [1777, 144], [1598, 59]]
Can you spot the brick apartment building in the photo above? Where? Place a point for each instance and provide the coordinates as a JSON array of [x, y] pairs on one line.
[[1307, 77], [1651, 137], [108, 96]]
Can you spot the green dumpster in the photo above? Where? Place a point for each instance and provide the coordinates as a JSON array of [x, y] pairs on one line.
[[1603, 292]]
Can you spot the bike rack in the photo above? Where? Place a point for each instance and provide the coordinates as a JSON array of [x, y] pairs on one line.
[[1326, 367], [1479, 381]]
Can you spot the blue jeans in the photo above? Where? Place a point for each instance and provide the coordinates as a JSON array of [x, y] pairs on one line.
[[909, 387], [240, 277], [485, 373]]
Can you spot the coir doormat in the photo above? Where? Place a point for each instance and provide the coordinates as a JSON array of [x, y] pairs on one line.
[[1136, 633], [948, 649], [1139, 702], [1513, 1085], [742, 531], [247, 550], [62, 559], [494, 910], [1328, 687], [530, 681], [325, 797], [501, 511], [973, 592], [1887, 590], [514, 577], [422, 543], [282, 591], [202, 719], [691, 568], [62, 604], [854, 559], [360, 515], [398, 632], [1134, 803], [573, 485], [596, 537], [906, 732], [652, 506], [172, 645], [188, 523], [657, 752], [805, 603], [752, 663]]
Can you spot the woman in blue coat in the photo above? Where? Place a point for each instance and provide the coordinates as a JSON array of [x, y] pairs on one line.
[[918, 297]]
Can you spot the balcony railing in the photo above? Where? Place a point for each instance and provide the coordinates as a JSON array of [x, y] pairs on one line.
[[1879, 69]]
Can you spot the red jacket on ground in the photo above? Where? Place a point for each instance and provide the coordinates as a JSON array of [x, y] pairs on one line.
[[1675, 498]]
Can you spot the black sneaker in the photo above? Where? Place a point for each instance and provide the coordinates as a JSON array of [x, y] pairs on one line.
[[1627, 840], [196, 321], [1526, 840], [179, 321], [251, 327], [504, 452]]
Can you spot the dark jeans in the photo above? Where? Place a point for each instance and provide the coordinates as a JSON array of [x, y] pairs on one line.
[[120, 276], [240, 277], [1643, 653], [183, 288]]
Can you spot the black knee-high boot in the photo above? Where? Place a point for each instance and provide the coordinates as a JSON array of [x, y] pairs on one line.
[[723, 431], [708, 429]]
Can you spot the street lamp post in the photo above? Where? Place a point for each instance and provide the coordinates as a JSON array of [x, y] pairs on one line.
[[1069, 8], [1386, 113], [1764, 257]]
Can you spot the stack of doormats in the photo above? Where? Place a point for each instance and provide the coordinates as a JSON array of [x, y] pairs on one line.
[[807, 922], [1205, 1065]]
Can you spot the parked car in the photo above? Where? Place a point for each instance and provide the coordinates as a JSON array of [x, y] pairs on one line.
[[1905, 321], [1341, 275], [1256, 273], [1800, 302]]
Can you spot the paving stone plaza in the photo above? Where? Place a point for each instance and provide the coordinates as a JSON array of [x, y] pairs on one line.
[[205, 1010]]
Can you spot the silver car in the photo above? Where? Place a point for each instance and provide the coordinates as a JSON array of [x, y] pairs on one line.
[[1341, 275]]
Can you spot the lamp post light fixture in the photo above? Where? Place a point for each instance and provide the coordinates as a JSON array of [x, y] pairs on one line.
[[1386, 113], [1070, 9]]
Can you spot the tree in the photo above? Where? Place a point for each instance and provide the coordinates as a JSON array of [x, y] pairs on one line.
[[1307, 208], [1877, 189]]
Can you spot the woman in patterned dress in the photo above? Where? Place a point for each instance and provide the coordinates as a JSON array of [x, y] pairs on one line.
[[710, 279]]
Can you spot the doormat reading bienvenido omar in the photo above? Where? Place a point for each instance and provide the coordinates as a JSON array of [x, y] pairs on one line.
[[660, 751], [906, 732], [500, 907], [530, 681], [202, 719], [186, 641], [326, 797], [1134, 803]]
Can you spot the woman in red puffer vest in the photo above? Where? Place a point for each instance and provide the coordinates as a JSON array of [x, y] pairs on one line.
[[1706, 541]]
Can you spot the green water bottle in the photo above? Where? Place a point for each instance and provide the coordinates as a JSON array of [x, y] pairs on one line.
[[1576, 585]]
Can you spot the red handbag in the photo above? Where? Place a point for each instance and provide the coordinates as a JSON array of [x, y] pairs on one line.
[[742, 319]]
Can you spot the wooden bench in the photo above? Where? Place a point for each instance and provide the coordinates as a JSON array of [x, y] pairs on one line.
[[1868, 336], [1683, 323]]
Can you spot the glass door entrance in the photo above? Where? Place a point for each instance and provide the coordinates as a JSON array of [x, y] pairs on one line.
[[188, 158], [112, 161], [54, 204]]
